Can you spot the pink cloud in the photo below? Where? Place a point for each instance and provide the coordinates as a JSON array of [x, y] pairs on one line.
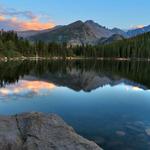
[[27, 87], [137, 27], [23, 20]]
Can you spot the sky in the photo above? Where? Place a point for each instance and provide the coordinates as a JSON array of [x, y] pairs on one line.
[[43, 14]]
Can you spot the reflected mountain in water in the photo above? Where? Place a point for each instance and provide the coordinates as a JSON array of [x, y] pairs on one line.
[[78, 75], [86, 81], [113, 115]]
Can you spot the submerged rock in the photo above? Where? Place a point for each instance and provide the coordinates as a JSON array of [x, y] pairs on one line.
[[120, 133], [38, 131], [147, 131]]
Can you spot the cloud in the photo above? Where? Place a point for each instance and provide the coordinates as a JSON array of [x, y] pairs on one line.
[[137, 27], [133, 88], [14, 13], [11, 19], [16, 24], [25, 87]]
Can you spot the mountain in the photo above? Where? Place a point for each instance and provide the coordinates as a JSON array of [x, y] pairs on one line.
[[119, 31], [77, 33], [135, 32], [28, 33], [113, 38], [98, 30]]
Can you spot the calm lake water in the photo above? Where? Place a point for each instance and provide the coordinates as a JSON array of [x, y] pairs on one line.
[[104, 101]]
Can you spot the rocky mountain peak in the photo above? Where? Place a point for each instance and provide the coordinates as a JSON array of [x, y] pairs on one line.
[[76, 23]]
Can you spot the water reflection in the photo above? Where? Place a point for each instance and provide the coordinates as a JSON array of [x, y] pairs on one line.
[[79, 75], [133, 88], [24, 87], [105, 101]]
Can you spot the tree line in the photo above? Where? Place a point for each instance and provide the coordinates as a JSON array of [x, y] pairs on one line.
[[11, 46]]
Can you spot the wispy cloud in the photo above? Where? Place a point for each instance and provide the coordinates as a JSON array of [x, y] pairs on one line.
[[15, 13], [137, 27], [12, 19]]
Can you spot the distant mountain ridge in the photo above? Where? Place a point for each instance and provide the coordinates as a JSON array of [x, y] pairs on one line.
[[28, 33], [135, 32], [82, 33], [119, 31], [113, 38]]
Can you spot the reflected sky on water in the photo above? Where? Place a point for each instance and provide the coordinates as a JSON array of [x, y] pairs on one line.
[[105, 102]]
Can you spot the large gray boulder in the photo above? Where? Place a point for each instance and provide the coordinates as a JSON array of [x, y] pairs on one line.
[[38, 131]]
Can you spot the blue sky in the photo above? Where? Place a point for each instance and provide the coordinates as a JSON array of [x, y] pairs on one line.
[[110, 13]]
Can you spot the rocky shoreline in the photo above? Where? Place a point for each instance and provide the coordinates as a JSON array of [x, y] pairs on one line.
[[22, 58], [38, 131]]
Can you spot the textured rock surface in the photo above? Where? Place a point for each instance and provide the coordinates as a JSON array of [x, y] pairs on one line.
[[37, 131]]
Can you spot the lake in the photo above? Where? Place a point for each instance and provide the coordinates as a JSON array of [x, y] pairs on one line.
[[105, 101]]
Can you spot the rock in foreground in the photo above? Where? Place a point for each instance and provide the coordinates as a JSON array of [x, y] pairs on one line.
[[37, 131]]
